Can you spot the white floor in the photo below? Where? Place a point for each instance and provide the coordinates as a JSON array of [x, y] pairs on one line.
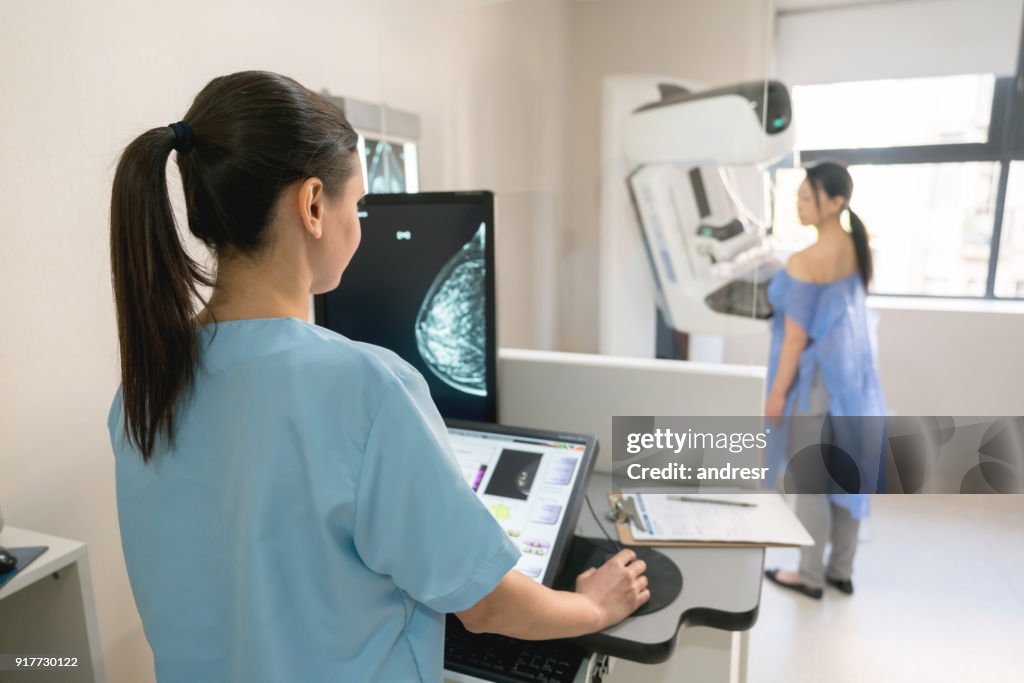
[[939, 597]]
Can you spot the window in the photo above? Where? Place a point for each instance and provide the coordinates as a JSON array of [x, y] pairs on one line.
[[892, 113], [930, 224], [1010, 269], [938, 179]]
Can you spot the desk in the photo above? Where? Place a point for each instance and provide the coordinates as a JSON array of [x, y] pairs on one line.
[[48, 609], [721, 586], [721, 590]]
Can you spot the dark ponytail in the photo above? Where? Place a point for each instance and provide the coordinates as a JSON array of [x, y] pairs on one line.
[[154, 284], [834, 180], [251, 134], [861, 246]]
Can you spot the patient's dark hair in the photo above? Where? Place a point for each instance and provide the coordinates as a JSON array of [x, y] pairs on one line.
[[834, 180], [248, 136]]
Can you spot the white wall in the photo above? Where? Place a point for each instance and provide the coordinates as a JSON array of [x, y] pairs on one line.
[[570, 391], [715, 43], [937, 357], [952, 358], [81, 79]]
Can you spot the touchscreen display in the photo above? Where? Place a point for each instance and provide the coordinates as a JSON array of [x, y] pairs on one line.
[[526, 483]]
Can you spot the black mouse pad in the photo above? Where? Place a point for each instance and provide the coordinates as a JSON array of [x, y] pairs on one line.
[[665, 581], [25, 556]]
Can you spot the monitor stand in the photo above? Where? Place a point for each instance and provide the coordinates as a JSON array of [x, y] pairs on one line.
[[665, 581]]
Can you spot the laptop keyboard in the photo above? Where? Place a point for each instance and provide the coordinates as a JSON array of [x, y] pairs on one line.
[[509, 660]]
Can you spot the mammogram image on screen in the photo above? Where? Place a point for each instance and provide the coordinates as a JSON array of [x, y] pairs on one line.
[[451, 324], [420, 286], [514, 474]]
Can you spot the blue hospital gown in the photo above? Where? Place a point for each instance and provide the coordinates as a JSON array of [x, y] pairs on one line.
[[311, 523], [839, 351]]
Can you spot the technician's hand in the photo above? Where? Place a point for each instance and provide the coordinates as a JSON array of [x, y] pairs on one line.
[[774, 406], [617, 587]]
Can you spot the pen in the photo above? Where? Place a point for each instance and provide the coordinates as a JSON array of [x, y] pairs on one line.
[[713, 501]]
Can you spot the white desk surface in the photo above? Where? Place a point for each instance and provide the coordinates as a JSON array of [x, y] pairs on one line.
[[61, 553], [721, 586]]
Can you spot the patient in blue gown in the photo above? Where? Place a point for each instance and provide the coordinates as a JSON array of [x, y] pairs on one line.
[[822, 370]]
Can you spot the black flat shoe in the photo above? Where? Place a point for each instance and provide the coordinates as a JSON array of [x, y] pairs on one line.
[[803, 589], [844, 585]]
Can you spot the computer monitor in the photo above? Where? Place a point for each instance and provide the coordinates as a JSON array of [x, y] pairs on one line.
[[533, 482], [422, 284]]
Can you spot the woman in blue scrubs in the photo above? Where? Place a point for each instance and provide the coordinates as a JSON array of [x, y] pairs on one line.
[[290, 507], [822, 371]]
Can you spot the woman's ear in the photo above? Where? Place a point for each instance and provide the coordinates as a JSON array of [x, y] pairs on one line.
[[835, 204], [311, 206], [841, 204]]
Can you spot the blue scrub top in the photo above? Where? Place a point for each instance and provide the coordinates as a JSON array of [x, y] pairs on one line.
[[310, 522]]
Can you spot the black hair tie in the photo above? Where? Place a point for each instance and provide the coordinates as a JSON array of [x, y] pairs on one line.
[[182, 137]]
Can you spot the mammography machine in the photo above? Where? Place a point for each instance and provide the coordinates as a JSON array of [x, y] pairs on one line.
[[682, 164]]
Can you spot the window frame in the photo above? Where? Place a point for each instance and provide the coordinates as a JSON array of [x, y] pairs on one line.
[[1005, 144]]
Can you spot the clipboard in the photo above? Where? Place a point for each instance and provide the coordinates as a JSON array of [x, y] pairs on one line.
[[797, 537]]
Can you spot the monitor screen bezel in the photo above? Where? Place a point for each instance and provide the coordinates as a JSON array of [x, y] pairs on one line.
[[485, 199], [560, 548]]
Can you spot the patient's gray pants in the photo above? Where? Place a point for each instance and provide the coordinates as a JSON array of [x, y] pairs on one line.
[[825, 521]]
